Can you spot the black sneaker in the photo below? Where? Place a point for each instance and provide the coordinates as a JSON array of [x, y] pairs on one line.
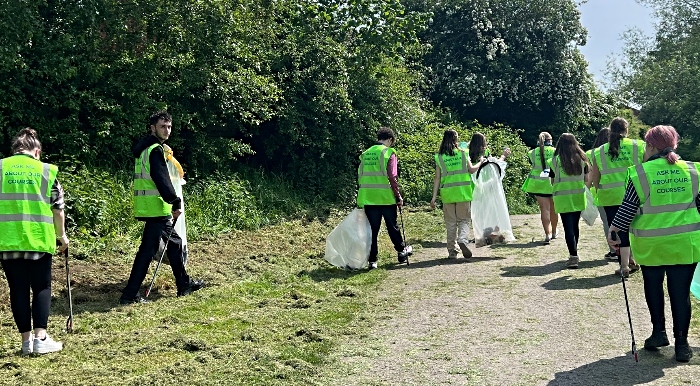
[[137, 300], [657, 339], [194, 285], [403, 255], [612, 256], [683, 351]]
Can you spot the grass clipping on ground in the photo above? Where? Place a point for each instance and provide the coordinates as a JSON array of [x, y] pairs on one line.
[[272, 311]]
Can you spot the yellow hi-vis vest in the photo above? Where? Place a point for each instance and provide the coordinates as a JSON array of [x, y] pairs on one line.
[[26, 219], [455, 179], [372, 177], [611, 189], [147, 199], [666, 230], [535, 183], [568, 192]]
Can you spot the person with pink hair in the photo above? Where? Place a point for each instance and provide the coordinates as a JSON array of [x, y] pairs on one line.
[[661, 211]]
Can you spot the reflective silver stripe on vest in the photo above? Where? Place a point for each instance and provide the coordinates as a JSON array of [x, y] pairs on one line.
[[453, 184], [611, 185], [44, 193], [382, 172], [604, 159], [26, 218], [152, 192], [25, 197], [666, 231], [143, 175], [570, 191], [443, 167], [559, 178], [375, 186], [647, 208]]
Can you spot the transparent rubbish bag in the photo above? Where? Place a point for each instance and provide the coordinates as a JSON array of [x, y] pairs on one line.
[[489, 210], [347, 246], [591, 212]]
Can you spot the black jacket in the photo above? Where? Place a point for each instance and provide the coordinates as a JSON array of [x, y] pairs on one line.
[[159, 170]]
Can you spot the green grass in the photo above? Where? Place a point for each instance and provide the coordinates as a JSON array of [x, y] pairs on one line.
[[273, 312]]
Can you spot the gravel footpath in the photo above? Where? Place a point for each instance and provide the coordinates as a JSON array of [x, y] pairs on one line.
[[512, 315]]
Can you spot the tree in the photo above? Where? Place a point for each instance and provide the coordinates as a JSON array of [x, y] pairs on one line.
[[513, 62], [662, 75]]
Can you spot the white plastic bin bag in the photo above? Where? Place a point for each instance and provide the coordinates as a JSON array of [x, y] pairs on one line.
[[347, 246], [490, 218], [591, 212]]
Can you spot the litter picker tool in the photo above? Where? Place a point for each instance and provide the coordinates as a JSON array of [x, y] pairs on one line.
[[613, 236], [69, 321], [408, 249], [160, 260]]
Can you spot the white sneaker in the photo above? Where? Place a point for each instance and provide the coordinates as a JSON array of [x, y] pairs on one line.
[[47, 345], [28, 345], [373, 265]]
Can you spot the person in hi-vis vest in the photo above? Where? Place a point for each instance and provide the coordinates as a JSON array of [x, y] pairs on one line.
[[378, 193], [157, 205], [609, 170], [660, 209], [569, 174], [454, 182], [31, 221], [600, 140], [539, 185]]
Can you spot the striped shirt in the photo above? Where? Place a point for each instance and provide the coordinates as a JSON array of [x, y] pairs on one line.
[[57, 202]]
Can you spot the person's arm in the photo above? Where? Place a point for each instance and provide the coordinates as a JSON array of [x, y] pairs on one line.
[[595, 173], [393, 174], [506, 153], [587, 176], [161, 177], [473, 168], [626, 213], [436, 186], [59, 217]]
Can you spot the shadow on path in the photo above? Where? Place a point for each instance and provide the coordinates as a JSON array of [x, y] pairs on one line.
[[547, 269], [567, 282], [621, 371]]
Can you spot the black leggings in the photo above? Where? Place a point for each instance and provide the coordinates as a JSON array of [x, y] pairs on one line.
[[570, 222], [679, 278], [23, 274]]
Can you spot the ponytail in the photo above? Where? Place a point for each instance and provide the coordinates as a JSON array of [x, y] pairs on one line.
[[25, 140], [618, 130], [544, 136]]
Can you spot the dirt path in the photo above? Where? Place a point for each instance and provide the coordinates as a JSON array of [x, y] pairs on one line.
[[513, 316]]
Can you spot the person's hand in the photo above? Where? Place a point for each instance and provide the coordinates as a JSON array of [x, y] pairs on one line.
[[611, 242], [506, 152], [63, 240], [432, 204], [176, 214], [400, 203]]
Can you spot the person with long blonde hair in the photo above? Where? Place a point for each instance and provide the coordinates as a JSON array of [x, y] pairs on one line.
[[539, 185]]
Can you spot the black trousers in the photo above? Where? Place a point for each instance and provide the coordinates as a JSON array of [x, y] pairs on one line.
[[678, 280], [570, 223], [375, 213], [154, 231], [610, 212], [23, 275]]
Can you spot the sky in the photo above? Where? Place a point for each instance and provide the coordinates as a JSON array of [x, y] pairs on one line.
[[605, 21]]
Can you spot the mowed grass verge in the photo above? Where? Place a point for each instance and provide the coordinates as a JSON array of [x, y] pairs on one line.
[[272, 312]]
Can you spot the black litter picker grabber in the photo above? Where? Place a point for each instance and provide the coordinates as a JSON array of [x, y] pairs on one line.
[[160, 260], [407, 249], [69, 321], [613, 236]]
